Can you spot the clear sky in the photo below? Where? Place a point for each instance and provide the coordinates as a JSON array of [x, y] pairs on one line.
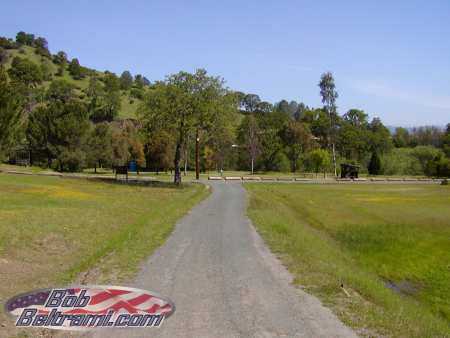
[[389, 58]]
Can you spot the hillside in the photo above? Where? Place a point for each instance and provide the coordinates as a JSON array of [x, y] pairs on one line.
[[128, 104]]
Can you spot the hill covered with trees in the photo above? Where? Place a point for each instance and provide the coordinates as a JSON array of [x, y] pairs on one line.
[[122, 93], [54, 112]]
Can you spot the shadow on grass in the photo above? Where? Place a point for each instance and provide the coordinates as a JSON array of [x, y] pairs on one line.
[[141, 183]]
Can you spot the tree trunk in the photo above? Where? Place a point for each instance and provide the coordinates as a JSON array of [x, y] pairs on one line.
[[177, 176], [334, 159], [186, 154], [332, 139], [95, 168], [176, 162], [252, 165]]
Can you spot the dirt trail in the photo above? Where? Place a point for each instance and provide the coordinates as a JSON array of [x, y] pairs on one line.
[[224, 281]]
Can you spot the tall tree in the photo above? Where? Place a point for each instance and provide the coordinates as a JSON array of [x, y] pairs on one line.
[[111, 99], [25, 72], [329, 95], [251, 102], [41, 46], [95, 93], [139, 81], [264, 107], [353, 138], [271, 126], [301, 109], [23, 38], [182, 103], [99, 146], [57, 132], [126, 80], [7, 43], [10, 113], [298, 139], [319, 159], [221, 131], [319, 123], [127, 145], [380, 137], [250, 139], [75, 69], [446, 141], [25, 76], [60, 59], [283, 106], [374, 166], [160, 151], [401, 137]]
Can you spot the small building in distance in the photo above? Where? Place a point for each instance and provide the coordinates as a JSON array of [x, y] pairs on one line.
[[349, 170]]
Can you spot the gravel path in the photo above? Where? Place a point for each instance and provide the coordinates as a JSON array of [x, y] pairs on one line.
[[224, 281]]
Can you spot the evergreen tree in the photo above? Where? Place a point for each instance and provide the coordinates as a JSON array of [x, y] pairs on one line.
[[126, 80], [374, 167], [99, 146], [75, 69]]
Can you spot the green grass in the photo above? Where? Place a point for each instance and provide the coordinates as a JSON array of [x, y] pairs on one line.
[[366, 237], [54, 230], [23, 169]]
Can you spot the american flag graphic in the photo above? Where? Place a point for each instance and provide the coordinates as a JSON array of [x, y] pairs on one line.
[[103, 299], [37, 299]]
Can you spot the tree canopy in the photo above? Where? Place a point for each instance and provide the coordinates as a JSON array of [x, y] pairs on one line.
[[68, 117]]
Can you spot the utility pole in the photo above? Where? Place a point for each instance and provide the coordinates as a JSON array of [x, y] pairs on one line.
[[197, 167]]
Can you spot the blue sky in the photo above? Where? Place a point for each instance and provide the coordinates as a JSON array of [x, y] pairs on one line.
[[389, 58]]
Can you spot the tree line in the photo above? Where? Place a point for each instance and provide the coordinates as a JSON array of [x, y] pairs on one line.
[[48, 119]]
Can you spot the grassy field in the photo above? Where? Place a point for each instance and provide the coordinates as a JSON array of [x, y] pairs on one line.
[[168, 176], [54, 231], [388, 245]]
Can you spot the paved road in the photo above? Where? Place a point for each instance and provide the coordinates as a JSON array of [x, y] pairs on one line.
[[224, 282]]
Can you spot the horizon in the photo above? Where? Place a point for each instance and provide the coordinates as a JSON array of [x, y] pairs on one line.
[[398, 69]]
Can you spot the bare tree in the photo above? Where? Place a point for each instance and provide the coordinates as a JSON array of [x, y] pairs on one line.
[[253, 143]]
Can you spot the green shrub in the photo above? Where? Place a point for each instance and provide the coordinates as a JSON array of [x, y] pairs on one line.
[[282, 163], [70, 160], [400, 161]]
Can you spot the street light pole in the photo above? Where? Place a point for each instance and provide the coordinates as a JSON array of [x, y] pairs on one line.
[[197, 167]]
